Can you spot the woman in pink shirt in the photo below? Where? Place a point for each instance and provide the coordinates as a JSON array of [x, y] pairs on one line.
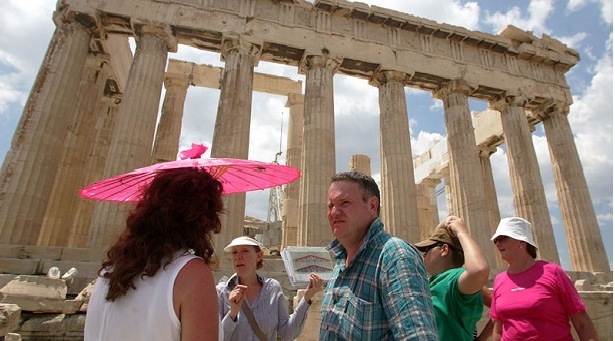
[[533, 299]]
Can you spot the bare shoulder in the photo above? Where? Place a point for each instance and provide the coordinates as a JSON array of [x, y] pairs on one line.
[[195, 274], [193, 293]]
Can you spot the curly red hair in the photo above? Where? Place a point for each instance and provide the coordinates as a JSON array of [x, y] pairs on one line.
[[179, 210]]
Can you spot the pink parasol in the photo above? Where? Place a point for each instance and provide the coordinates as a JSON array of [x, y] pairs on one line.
[[236, 176]]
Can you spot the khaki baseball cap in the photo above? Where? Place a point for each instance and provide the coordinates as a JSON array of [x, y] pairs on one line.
[[440, 235]]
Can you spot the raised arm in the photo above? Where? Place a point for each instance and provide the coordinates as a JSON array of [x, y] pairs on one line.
[[476, 264]]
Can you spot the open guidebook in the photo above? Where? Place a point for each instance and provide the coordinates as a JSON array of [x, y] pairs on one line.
[[300, 261]]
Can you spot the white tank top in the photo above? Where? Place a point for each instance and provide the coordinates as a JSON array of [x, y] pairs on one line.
[[146, 313]]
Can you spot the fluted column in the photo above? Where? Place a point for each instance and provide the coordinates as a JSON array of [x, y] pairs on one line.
[[426, 206], [30, 165], [317, 151], [433, 198], [95, 164], [360, 163], [55, 230], [131, 143], [232, 129], [585, 246], [290, 205], [398, 196], [166, 144], [448, 194], [528, 190], [491, 200], [465, 169]]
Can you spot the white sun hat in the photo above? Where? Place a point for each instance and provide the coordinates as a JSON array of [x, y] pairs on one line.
[[245, 240], [516, 228]]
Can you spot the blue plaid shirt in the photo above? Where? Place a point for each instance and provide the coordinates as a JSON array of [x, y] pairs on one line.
[[383, 294]]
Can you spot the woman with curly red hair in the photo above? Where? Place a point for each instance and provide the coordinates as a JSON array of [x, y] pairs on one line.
[[155, 283]]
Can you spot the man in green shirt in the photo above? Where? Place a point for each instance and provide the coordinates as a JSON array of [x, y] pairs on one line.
[[455, 290]]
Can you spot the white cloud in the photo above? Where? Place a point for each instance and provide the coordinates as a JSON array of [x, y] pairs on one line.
[[591, 120], [425, 140], [8, 92], [538, 10], [606, 7], [574, 40], [436, 105], [29, 27], [452, 12]]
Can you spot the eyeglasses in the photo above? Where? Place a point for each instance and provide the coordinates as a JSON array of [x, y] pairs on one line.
[[431, 247], [500, 239]]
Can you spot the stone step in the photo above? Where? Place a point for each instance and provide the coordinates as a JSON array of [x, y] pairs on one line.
[[51, 252], [41, 266]]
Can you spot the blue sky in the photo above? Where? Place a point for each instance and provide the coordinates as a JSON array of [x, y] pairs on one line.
[[585, 25]]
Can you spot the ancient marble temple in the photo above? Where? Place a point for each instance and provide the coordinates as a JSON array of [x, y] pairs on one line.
[[94, 108]]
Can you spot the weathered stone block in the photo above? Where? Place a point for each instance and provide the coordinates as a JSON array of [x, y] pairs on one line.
[[10, 315], [53, 327], [35, 293]]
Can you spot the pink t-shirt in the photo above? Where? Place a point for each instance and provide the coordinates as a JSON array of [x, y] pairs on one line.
[[535, 304]]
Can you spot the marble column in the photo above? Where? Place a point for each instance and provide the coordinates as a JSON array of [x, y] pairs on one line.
[[290, 205], [585, 246], [435, 215], [166, 144], [425, 207], [95, 164], [398, 190], [55, 230], [317, 151], [491, 200], [30, 165], [528, 191], [232, 130], [448, 194], [360, 163], [468, 191], [131, 143]]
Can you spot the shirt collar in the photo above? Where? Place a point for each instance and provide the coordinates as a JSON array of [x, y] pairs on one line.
[[338, 249], [234, 280]]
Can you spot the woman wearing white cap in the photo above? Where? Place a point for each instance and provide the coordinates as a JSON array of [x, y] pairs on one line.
[[533, 299], [253, 307]]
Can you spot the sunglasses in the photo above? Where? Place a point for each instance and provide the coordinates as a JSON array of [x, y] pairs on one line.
[[431, 247]]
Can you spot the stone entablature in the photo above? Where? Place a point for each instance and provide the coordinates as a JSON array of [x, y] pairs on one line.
[[209, 76], [363, 39]]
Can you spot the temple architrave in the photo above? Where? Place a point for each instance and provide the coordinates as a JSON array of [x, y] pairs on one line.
[[89, 118], [93, 112]]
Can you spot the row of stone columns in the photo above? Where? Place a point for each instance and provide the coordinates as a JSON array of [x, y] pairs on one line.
[[30, 166], [131, 143], [36, 181]]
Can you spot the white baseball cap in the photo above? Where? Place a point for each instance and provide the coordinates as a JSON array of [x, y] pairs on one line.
[[245, 240], [516, 228]]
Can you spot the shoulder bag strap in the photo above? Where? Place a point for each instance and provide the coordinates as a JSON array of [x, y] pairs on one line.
[[259, 333]]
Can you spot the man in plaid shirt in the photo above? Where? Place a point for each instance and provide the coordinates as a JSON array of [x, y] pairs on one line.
[[379, 289]]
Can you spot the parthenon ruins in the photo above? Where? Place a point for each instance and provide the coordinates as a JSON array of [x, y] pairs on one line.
[[93, 112]]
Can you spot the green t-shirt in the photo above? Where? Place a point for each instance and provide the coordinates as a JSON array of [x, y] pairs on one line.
[[456, 314]]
